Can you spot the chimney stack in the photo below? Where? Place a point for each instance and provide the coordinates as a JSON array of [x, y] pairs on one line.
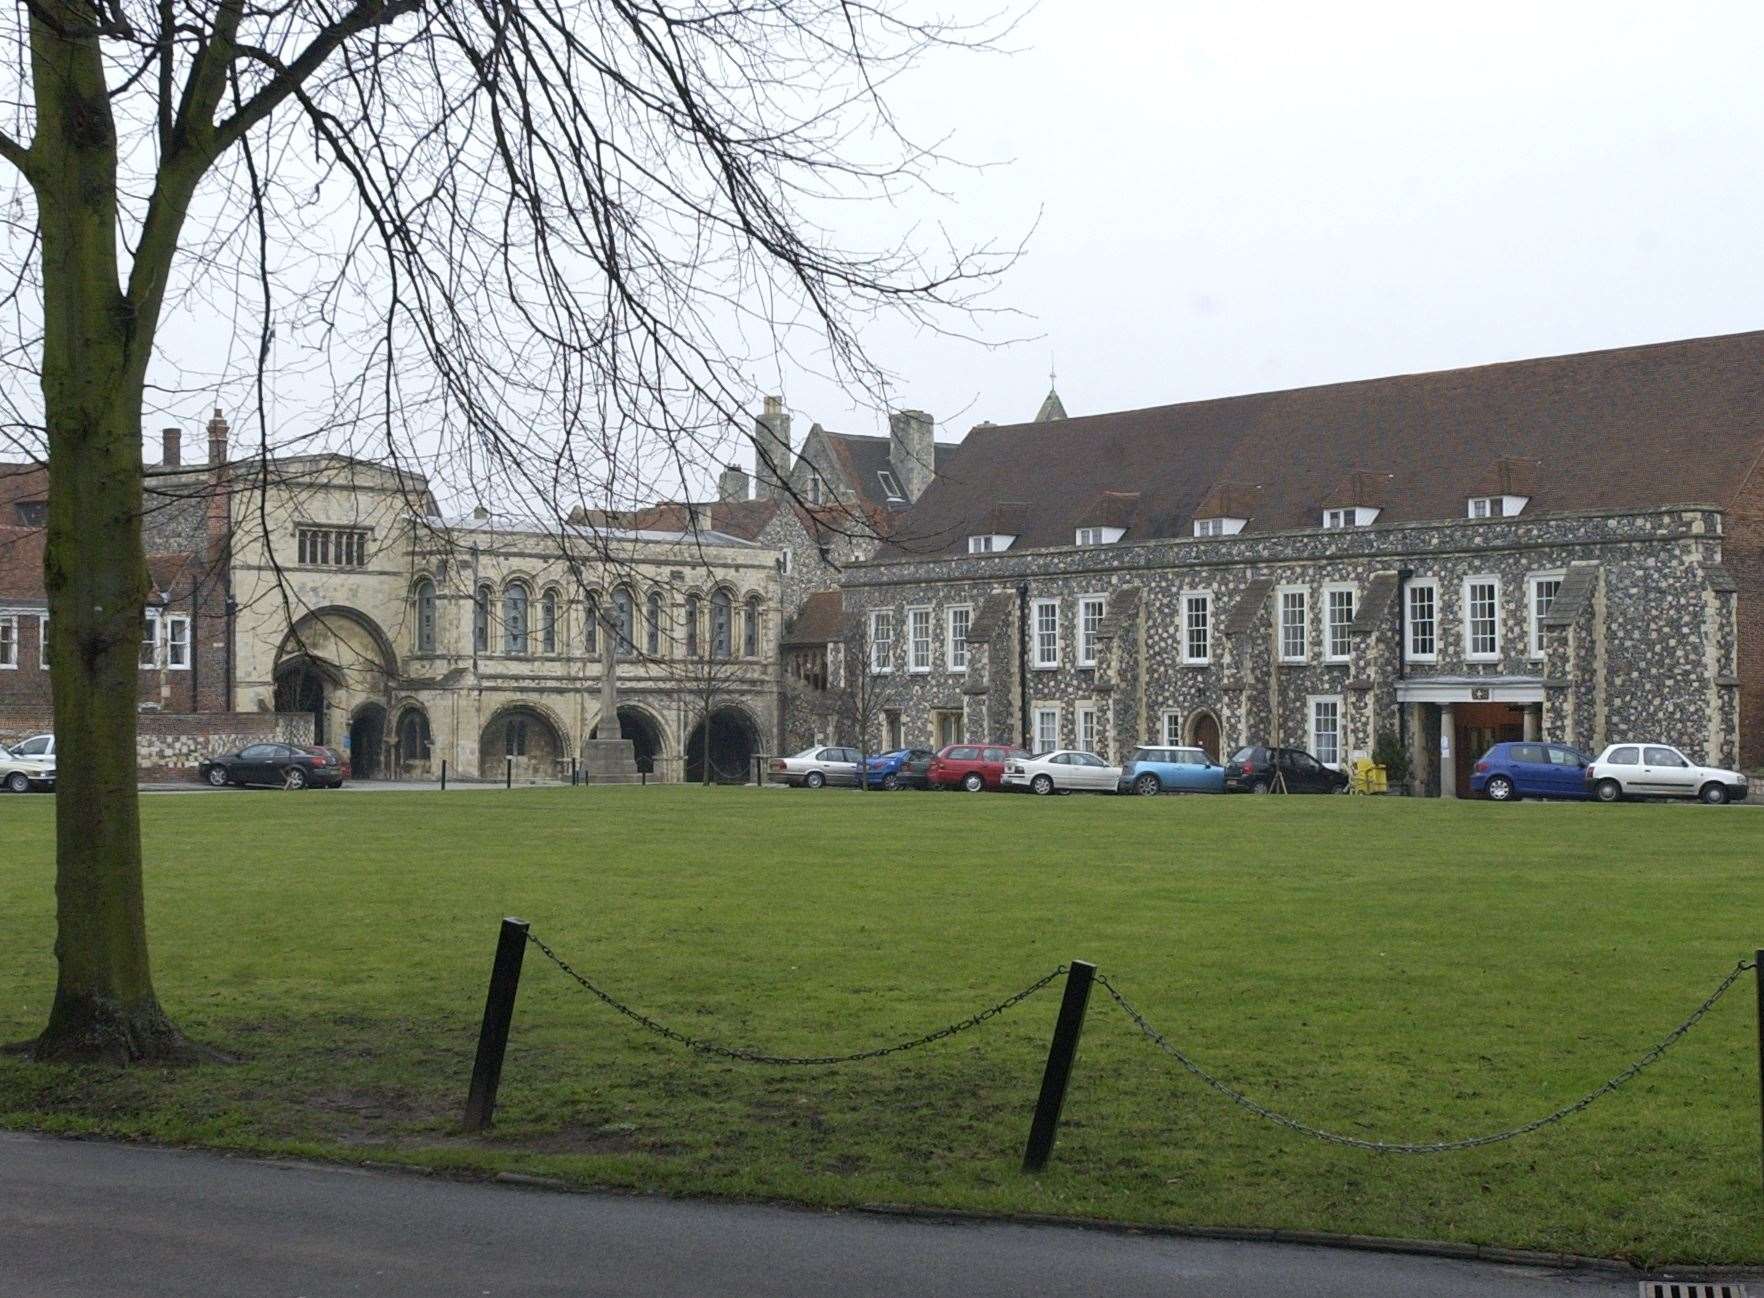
[[732, 483], [771, 441], [217, 438], [172, 444], [912, 450]]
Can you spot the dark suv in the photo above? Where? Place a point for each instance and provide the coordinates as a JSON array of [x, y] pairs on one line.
[[1261, 769]]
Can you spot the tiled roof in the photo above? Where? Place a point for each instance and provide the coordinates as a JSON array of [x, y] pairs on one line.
[[861, 458], [1573, 595], [1637, 427], [1374, 606], [1243, 613], [820, 620]]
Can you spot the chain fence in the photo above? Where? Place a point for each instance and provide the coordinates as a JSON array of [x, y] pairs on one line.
[[1167, 1047], [801, 1061], [1243, 1101]]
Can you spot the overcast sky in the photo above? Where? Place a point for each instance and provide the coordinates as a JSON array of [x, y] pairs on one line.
[[1245, 196]]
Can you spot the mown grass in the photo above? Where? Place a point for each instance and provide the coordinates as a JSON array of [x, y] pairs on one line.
[[1408, 970]]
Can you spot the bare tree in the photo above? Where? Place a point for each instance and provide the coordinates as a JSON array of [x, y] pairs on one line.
[[871, 683], [516, 235]]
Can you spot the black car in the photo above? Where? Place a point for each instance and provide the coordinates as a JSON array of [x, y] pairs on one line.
[[284, 765], [1261, 769]]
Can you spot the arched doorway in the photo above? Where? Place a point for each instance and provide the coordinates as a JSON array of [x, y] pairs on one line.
[[367, 738], [1203, 733], [527, 736], [644, 733], [414, 742], [733, 742], [303, 686]]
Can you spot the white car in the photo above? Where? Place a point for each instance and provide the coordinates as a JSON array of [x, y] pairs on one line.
[[20, 773], [1659, 771], [1065, 771], [817, 766], [35, 746]]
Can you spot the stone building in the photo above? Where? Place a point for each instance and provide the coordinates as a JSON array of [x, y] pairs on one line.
[[1570, 547]]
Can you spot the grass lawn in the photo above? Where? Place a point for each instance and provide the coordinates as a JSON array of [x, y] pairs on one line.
[[1390, 968]]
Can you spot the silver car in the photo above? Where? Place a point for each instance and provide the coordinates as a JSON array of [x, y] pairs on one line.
[[20, 773], [1065, 771], [1659, 771], [817, 766]]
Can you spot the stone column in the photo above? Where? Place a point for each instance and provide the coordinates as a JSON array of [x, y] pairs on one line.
[[1421, 755], [1448, 752], [1533, 722]]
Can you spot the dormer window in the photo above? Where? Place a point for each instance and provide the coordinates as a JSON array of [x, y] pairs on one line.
[[890, 487], [1351, 516], [1218, 526], [1099, 535], [987, 543], [816, 489], [1496, 506]]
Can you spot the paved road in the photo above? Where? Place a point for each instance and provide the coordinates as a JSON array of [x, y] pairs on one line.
[[83, 1219]]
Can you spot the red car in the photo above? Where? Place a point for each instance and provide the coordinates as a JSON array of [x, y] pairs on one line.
[[971, 766]]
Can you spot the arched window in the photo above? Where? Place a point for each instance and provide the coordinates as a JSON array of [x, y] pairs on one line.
[[514, 737], [722, 633], [514, 618], [750, 628], [692, 626], [425, 616], [591, 628], [548, 622], [624, 621], [652, 614], [414, 743], [481, 620]]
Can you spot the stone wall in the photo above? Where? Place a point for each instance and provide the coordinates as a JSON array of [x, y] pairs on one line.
[[170, 745]]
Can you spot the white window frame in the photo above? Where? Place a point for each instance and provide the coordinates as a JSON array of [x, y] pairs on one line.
[[1043, 713], [1209, 527], [1337, 519], [913, 616], [1189, 597], [8, 642], [167, 623], [1471, 654], [1041, 661], [1089, 536], [881, 646], [956, 661], [890, 486], [1534, 642], [1329, 622], [980, 544], [1087, 711], [1304, 622], [43, 641], [149, 652], [1086, 637], [1311, 731], [1172, 723], [1410, 653]]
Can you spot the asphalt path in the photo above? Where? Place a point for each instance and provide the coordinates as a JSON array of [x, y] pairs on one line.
[[82, 1218]]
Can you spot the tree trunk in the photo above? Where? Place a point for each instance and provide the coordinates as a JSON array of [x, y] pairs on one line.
[[95, 571]]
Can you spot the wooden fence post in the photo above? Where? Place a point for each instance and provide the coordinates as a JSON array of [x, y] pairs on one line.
[[505, 980], [1058, 1074]]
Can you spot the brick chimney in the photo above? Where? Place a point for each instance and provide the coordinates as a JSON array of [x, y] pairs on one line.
[[732, 483], [217, 438], [912, 450], [171, 447], [771, 441]]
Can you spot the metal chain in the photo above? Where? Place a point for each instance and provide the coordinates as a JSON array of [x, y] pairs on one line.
[[1426, 1147], [757, 1057]]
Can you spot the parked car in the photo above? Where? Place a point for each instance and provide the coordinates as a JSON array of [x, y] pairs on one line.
[[20, 773], [1659, 771], [817, 766], [971, 767], [1531, 770], [1066, 770], [335, 754], [35, 746], [1261, 769], [284, 765], [904, 768], [1172, 770]]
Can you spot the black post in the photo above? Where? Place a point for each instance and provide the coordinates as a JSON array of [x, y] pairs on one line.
[[574, 774], [643, 778], [1058, 1074], [505, 980], [1758, 970], [508, 777], [444, 775]]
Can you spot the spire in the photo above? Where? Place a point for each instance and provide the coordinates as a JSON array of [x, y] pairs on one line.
[[1052, 407]]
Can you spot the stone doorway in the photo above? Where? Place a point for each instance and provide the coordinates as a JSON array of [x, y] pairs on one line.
[[367, 739]]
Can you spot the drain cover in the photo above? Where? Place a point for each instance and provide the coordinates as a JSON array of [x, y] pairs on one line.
[[1692, 1289]]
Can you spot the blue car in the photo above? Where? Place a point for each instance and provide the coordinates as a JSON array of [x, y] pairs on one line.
[[904, 768], [1530, 769], [1171, 770]]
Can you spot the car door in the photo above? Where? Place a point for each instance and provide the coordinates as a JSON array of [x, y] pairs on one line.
[[1567, 772], [1530, 769], [1304, 773], [1088, 771], [1670, 772], [253, 765]]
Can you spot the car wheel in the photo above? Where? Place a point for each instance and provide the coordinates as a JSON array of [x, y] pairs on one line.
[[1608, 791], [296, 778], [891, 782], [1260, 786], [1500, 788], [19, 782], [217, 776], [1042, 784], [973, 782], [1148, 784], [813, 780], [1714, 794]]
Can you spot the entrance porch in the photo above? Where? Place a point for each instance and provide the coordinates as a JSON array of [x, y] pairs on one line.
[[1452, 721]]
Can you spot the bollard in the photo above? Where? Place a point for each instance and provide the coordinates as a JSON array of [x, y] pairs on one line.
[[508, 777], [444, 775], [505, 980], [643, 778], [1758, 972], [1058, 1075], [575, 773]]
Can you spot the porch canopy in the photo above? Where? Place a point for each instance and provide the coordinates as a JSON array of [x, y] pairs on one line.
[[1471, 689]]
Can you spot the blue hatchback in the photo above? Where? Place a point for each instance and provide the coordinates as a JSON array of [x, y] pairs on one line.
[[1171, 770], [1530, 770]]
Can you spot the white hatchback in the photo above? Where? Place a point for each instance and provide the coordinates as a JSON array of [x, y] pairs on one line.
[[1659, 771], [1065, 771]]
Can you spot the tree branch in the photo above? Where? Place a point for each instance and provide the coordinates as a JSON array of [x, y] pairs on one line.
[[16, 154]]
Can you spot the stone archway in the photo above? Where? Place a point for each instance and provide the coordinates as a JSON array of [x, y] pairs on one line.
[[367, 742], [332, 661], [414, 744], [734, 739], [525, 735], [303, 685], [645, 734], [1202, 730]]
